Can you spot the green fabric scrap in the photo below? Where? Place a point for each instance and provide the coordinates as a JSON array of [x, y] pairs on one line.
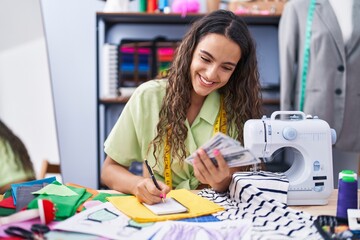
[[66, 206], [8, 193], [56, 188], [102, 196], [6, 211]]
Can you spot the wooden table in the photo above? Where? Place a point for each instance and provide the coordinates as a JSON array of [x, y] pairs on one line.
[[329, 209]]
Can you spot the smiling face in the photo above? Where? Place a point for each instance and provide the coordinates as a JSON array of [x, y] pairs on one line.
[[214, 60]]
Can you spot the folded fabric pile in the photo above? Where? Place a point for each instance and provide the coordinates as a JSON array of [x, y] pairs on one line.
[[265, 205]]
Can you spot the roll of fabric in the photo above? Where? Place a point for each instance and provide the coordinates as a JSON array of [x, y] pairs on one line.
[[274, 185]]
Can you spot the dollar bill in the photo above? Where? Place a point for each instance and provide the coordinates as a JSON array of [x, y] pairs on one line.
[[233, 152]]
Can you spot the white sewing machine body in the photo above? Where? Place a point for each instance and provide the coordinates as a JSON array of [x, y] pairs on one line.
[[310, 139]]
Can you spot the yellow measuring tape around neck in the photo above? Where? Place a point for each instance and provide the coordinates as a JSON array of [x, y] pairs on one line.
[[220, 125]]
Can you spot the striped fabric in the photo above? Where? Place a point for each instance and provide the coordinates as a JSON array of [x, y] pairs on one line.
[[271, 184], [264, 206]]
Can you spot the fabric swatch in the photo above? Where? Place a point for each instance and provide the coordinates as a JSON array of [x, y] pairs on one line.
[[25, 196], [271, 219], [30, 183], [55, 188]]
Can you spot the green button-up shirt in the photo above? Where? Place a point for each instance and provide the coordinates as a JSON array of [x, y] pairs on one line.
[[10, 165]]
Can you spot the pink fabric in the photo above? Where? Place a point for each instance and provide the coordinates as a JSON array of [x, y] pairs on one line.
[[166, 51], [140, 50]]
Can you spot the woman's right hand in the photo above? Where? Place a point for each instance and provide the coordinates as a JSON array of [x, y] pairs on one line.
[[119, 178], [146, 191]]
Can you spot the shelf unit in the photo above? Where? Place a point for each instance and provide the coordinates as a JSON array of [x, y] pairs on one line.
[[113, 27]]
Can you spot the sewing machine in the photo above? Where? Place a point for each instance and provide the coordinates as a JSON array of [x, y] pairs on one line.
[[305, 142]]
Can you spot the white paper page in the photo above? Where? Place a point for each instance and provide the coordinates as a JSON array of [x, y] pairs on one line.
[[170, 206], [106, 221]]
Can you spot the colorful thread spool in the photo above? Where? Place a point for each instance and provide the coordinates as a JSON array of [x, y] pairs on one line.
[[347, 194], [151, 6], [163, 4], [142, 6]]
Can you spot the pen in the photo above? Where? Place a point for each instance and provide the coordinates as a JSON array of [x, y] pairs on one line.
[[154, 179]]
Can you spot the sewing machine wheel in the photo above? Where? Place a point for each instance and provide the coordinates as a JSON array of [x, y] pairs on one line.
[[287, 159]]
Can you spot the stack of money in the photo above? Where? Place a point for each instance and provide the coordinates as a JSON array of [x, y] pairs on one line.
[[232, 151]]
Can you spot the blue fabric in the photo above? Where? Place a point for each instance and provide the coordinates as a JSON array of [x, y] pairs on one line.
[[206, 218], [30, 183]]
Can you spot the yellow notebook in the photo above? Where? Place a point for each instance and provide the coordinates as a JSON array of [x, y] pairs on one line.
[[197, 206]]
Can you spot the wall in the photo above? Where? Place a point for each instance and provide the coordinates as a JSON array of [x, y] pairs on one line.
[[28, 77], [70, 34], [26, 103]]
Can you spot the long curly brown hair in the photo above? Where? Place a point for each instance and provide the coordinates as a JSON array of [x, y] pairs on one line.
[[17, 147], [242, 95]]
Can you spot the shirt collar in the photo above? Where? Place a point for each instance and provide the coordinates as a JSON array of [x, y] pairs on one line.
[[210, 108]]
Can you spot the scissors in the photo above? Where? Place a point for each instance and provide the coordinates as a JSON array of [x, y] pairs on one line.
[[36, 233]]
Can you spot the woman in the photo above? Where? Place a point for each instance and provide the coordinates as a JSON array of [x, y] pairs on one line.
[[15, 163], [212, 85]]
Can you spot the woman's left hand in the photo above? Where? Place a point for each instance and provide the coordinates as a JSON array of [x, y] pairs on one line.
[[218, 177]]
